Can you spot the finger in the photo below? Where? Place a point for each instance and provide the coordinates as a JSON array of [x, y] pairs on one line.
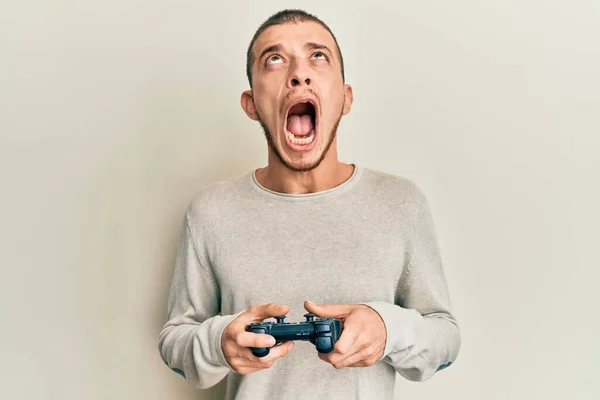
[[359, 359], [347, 346], [245, 362], [245, 366], [365, 363], [262, 312], [347, 340], [335, 358], [276, 352], [339, 311], [250, 339], [246, 371]]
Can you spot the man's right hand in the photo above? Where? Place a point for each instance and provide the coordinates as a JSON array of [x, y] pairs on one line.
[[236, 342]]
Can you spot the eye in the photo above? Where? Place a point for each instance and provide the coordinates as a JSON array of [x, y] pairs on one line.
[[274, 59], [321, 55]]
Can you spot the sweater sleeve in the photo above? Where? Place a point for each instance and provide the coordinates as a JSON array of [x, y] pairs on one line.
[[423, 336], [190, 341]]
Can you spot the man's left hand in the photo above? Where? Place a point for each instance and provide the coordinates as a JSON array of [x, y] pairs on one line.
[[363, 338]]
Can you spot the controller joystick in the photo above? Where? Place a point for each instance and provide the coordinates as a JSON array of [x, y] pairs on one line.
[[321, 332]]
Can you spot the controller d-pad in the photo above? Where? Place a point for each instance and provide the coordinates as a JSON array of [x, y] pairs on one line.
[[323, 328], [324, 342]]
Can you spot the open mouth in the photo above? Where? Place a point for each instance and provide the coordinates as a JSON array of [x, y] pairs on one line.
[[301, 123]]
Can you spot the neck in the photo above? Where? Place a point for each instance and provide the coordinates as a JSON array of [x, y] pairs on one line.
[[329, 174]]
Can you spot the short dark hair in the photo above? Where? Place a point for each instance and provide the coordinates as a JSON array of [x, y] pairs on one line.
[[287, 17]]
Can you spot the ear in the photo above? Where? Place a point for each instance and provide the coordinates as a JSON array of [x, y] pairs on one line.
[[247, 103], [348, 99]]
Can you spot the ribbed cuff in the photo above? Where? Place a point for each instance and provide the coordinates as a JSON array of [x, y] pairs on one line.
[[400, 324]]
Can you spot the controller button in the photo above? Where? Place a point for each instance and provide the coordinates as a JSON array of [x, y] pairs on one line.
[[323, 328], [309, 317]]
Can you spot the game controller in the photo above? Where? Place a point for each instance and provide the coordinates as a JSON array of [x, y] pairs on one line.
[[322, 332]]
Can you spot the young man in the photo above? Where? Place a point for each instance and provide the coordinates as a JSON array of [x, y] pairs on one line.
[[358, 243]]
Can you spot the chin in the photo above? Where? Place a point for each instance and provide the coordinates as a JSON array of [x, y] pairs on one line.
[[303, 162], [299, 161], [302, 166]]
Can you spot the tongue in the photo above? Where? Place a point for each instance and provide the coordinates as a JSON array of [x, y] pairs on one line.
[[300, 125]]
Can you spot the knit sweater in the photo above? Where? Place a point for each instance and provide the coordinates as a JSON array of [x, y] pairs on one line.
[[370, 240]]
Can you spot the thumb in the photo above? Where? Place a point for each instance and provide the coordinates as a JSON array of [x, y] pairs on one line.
[[328, 310], [264, 311]]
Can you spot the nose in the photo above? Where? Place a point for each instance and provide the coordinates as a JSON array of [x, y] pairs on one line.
[[299, 77], [294, 82]]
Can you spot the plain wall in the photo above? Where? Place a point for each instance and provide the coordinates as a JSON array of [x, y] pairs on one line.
[[114, 113]]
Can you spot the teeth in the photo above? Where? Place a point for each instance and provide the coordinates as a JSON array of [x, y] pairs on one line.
[[301, 141]]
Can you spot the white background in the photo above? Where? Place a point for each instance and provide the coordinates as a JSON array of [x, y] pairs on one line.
[[113, 113]]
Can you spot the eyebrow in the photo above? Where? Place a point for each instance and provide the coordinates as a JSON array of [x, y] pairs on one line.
[[316, 46], [275, 47], [307, 45]]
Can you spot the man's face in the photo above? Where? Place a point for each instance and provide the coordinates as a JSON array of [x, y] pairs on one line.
[[298, 93]]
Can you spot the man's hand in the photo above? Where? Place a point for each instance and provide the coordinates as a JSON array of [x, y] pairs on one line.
[[236, 342], [363, 338]]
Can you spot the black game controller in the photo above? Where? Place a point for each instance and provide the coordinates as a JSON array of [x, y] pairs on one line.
[[322, 332]]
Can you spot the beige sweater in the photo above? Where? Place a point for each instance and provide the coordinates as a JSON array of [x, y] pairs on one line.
[[370, 240]]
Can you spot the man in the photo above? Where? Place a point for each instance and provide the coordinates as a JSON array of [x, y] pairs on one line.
[[307, 233]]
